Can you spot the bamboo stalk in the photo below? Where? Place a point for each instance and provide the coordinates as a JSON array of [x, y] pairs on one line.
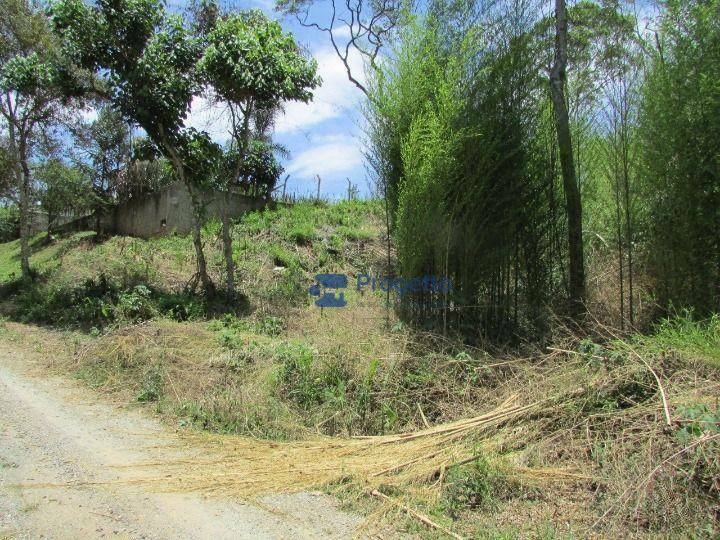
[[417, 515]]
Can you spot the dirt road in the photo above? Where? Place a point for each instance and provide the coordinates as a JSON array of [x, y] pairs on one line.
[[63, 473]]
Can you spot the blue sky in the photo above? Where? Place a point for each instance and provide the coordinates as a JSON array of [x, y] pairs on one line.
[[324, 137]]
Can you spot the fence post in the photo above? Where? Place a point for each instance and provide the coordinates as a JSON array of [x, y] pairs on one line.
[[285, 186]]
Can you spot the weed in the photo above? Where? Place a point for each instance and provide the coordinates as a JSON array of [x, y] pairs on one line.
[[290, 289], [283, 258], [693, 338], [475, 485], [226, 414], [152, 387], [355, 233], [302, 235]]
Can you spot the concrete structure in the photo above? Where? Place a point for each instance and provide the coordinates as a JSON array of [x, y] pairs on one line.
[[165, 212], [170, 211]]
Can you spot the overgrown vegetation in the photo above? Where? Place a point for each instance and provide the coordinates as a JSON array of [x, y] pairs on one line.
[[82, 283], [465, 143], [561, 169], [580, 428]]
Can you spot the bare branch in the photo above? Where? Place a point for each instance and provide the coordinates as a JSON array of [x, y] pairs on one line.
[[368, 26]]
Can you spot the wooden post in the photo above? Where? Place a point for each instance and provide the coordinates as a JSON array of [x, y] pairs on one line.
[[318, 187], [285, 186]]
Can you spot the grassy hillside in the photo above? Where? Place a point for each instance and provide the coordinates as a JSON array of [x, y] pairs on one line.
[[578, 443], [86, 283]]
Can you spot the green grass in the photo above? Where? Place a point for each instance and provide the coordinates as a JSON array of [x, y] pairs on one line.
[[693, 339], [44, 256], [88, 284]]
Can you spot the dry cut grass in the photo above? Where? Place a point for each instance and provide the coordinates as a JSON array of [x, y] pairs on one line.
[[574, 436]]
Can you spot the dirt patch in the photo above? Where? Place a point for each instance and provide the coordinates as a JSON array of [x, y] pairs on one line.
[[69, 469]]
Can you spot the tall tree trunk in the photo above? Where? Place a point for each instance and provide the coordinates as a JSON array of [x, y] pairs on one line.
[[18, 150], [244, 144], [198, 214], [572, 192], [628, 221], [24, 192], [621, 255], [227, 248], [207, 284]]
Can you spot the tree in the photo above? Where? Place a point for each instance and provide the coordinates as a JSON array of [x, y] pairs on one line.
[[146, 65], [252, 65], [573, 203], [458, 127], [65, 189], [30, 98], [680, 136], [106, 146]]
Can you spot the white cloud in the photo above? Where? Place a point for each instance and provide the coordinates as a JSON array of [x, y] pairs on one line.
[[327, 156], [336, 97]]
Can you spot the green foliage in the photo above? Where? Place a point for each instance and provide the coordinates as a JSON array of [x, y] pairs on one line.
[[290, 289], [25, 74], [302, 235], [474, 485], [152, 387], [258, 168], [96, 303], [683, 332], [698, 420], [249, 57], [680, 128], [231, 329], [466, 177], [149, 58], [227, 415], [66, 189]]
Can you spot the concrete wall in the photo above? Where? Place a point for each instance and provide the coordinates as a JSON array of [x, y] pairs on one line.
[[170, 211]]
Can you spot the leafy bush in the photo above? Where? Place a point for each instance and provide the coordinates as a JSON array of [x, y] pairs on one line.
[[135, 305], [95, 303], [306, 380]]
